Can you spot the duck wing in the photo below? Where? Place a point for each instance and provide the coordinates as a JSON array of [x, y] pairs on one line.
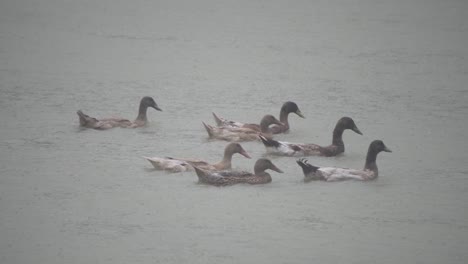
[[117, 122], [284, 148], [277, 129], [88, 121], [220, 121], [306, 149], [239, 174], [232, 134], [235, 177], [342, 174], [194, 162], [169, 164], [211, 177]]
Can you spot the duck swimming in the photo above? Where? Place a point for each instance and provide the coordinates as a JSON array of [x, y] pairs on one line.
[[180, 165], [370, 171], [286, 109], [224, 178], [248, 133], [106, 123], [292, 149]]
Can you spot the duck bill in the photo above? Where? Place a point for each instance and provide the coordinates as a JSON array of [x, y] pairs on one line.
[[244, 153], [299, 113], [273, 167], [387, 149], [157, 108], [355, 129]]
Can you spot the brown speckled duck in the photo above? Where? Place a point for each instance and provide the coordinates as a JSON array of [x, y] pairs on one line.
[[180, 165], [286, 109], [106, 123], [370, 171], [293, 149], [248, 133], [224, 178]]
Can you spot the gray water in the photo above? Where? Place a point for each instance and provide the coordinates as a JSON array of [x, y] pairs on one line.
[[71, 195]]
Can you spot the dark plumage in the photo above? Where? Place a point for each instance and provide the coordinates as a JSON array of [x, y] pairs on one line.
[[370, 171], [286, 109], [294, 149]]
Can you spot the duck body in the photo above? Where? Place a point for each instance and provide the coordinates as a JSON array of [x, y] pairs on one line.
[[180, 165], [286, 109], [283, 148], [232, 134], [337, 147], [225, 178], [247, 133], [169, 164], [330, 174], [107, 123]]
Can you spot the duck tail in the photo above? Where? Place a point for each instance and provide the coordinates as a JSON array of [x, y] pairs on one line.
[[268, 142], [306, 167], [83, 117], [200, 173], [209, 129], [156, 162], [218, 120]]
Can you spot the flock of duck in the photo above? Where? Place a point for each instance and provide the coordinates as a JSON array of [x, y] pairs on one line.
[[220, 174]]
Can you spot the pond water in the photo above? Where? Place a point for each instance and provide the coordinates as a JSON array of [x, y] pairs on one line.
[[73, 195]]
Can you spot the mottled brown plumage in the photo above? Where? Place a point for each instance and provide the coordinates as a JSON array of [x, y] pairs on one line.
[[223, 178]]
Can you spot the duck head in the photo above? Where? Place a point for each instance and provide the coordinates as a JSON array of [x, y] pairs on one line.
[[375, 147], [264, 164], [236, 148], [378, 146], [148, 101], [348, 123], [291, 107]]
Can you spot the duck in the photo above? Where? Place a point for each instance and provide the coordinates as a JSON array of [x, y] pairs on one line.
[[180, 165], [107, 123], [283, 148], [286, 109], [236, 134], [224, 178], [330, 174]]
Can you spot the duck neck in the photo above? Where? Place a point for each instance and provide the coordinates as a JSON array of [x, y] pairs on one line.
[[371, 163], [226, 161], [338, 137], [264, 125], [284, 118], [142, 113], [258, 170]]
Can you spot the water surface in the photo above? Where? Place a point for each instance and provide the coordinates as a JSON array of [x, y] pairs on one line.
[[71, 195]]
